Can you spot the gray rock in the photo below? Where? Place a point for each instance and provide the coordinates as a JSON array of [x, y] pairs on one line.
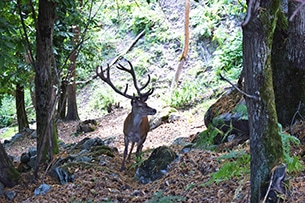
[[83, 159], [32, 161], [16, 136], [32, 151], [25, 158], [64, 176], [33, 135], [156, 165], [10, 195], [42, 189]]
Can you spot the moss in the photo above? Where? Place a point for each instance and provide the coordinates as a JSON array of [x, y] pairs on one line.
[[55, 148], [268, 18], [101, 150], [72, 166], [13, 176], [272, 139]]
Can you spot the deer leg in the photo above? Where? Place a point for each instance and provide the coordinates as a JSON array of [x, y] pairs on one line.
[[125, 154], [139, 147], [129, 155]]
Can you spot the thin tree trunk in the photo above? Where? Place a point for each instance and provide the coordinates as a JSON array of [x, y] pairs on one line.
[[62, 103], [186, 45], [20, 108], [72, 113]]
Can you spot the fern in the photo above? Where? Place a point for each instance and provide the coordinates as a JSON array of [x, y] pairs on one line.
[[294, 163], [237, 164]]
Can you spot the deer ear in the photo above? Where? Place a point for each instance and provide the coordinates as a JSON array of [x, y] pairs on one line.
[[144, 99], [133, 101]]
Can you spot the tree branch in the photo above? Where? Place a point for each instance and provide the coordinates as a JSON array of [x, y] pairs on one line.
[[294, 115], [238, 89], [302, 4], [32, 60]]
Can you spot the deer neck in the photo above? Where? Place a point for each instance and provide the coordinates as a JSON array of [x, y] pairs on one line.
[[136, 120]]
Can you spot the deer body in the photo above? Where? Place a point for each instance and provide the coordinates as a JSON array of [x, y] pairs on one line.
[[136, 125]]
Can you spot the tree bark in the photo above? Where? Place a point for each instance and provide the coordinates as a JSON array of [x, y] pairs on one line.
[[288, 60], [9, 176], [62, 103], [72, 113], [20, 107], [265, 142], [45, 83]]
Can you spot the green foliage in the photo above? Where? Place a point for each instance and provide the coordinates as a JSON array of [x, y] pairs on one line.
[[236, 164], [9, 133], [160, 198], [186, 95], [242, 110], [294, 163], [7, 111], [139, 161], [205, 140], [14, 68], [143, 20], [100, 100], [214, 21], [228, 56]]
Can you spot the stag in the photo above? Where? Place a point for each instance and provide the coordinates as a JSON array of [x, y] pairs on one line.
[[136, 125]]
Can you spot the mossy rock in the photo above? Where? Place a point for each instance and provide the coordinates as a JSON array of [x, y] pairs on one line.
[[156, 165]]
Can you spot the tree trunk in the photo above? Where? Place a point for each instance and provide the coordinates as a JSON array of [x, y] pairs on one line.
[[9, 176], [265, 141], [45, 83], [62, 103], [20, 107], [288, 61], [72, 113]]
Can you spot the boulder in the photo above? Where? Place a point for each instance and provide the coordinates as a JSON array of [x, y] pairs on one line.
[[157, 165]]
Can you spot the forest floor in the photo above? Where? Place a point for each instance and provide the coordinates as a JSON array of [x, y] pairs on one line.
[[105, 183]]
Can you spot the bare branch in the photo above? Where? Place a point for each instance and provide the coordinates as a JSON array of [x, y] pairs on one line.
[[238, 89], [294, 115], [249, 11], [302, 4], [26, 34]]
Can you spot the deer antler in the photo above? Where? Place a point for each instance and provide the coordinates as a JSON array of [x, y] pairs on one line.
[[108, 81], [142, 96], [145, 95]]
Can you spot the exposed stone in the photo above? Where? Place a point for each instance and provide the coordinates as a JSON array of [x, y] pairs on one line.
[[25, 158], [87, 126], [10, 195], [64, 176], [42, 189], [32, 151], [156, 165]]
